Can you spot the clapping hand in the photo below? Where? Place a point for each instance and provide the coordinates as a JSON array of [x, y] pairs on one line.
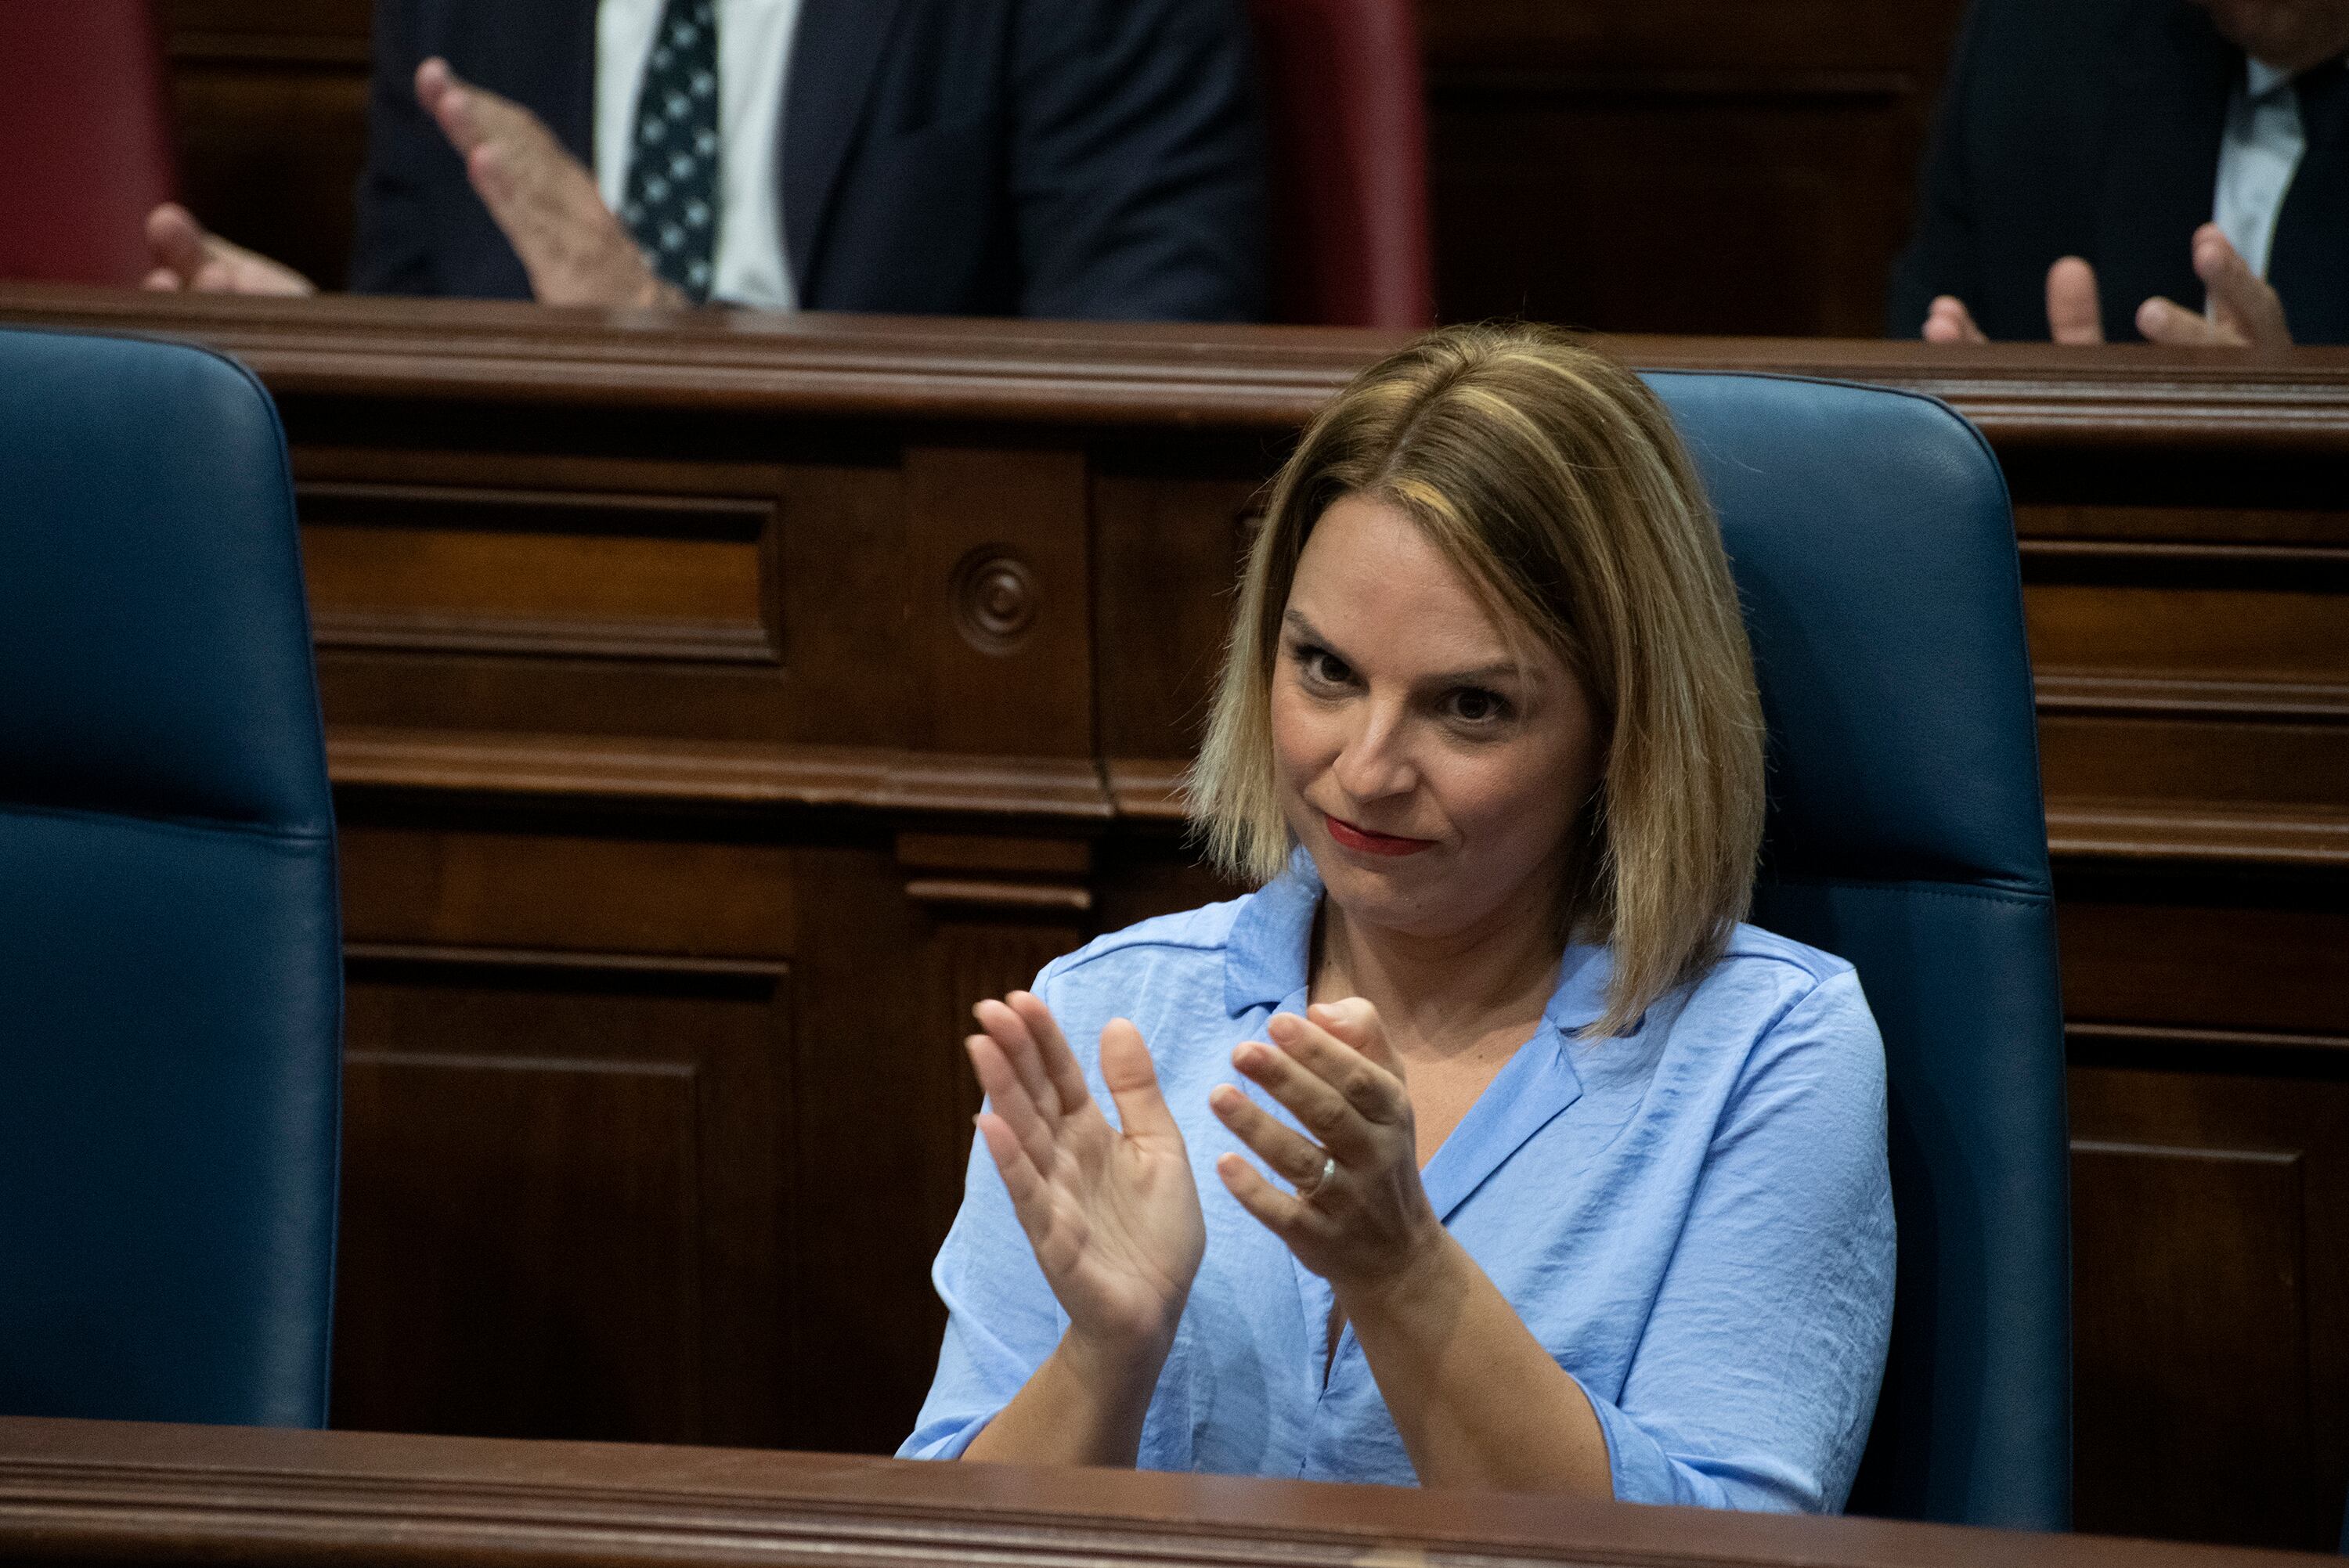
[[1357, 1216], [2245, 311], [1111, 1211], [544, 200], [188, 256]]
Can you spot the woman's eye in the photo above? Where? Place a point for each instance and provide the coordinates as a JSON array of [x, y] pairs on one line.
[[1323, 668], [1472, 705]]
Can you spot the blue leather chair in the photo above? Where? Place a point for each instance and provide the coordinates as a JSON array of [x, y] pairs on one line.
[[1875, 552], [170, 978]]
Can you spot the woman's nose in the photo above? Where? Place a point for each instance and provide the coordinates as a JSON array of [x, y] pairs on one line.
[[1375, 762]]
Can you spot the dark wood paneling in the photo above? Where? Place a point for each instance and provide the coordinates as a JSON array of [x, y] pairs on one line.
[[1635, 206], [270, 98], [1682, 166], [1689, 166], [2212, 1366], [2164, 1389], [2227, 951], [1157, 649], [561, 1178], [564, 843]]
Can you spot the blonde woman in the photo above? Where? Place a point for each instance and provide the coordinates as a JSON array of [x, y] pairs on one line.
[[1482, 1145]]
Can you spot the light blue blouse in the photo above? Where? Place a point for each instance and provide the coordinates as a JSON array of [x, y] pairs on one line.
[[1695, 1220]]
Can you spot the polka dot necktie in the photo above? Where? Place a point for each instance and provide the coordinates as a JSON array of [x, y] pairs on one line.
[[672, 205]]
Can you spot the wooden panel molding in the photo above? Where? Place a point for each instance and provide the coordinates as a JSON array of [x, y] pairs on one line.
[[2238, 837], [1147, 788], [2032, 400], [2213, 1364], [666, 772], [997, 910], [590, 1140], [2188, 947], [945, 893], [594, 575], [2113, 1044], [2123, 693], [2218, 522], [965, 876], [2166, 1389]]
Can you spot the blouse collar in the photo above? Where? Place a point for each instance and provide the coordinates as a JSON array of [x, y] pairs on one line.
[[1271, 944]]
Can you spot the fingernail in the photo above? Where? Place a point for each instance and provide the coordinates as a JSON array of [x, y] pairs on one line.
[[1250, 1055], [1283, 1026]]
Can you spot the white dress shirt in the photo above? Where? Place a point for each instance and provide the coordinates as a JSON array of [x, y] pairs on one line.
[[2258, 155], [754, 48]]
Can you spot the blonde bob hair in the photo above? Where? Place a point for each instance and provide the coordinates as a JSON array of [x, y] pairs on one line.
[[1551, 479]]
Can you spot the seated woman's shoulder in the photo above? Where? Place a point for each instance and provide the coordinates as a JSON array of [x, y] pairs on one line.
[[1202, 933], [1165, 974], [1756, 954], [1765, 984]]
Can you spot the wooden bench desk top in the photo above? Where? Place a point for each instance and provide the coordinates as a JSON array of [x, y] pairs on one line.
[[85, 1492]]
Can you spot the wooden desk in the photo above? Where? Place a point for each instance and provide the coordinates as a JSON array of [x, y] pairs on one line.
[[95, 1491], [718, 704]]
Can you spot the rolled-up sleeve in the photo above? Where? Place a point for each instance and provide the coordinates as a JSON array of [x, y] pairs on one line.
[[1755, 1378]]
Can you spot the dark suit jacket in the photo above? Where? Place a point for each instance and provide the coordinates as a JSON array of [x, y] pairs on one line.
[[2090, 127], [1047, 158]]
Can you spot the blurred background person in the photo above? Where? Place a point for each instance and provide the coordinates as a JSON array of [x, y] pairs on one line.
[[2104, 168], [1049, 158]]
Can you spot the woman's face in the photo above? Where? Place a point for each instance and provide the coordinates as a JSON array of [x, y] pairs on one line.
[[1431, 768]]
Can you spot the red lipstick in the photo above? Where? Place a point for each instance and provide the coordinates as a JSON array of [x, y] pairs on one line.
[[1364, 842]]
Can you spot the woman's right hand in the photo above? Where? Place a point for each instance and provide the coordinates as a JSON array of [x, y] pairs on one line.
[[1112, 1215]]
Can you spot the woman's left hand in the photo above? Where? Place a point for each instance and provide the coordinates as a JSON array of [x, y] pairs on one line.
[[1358, 1217]]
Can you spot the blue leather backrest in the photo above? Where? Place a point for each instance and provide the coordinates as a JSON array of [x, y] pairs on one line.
[[1875, 552], [170, 974]]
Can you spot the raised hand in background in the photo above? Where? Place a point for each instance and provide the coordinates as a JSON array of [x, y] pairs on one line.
[[2245, 312], [545, 201]]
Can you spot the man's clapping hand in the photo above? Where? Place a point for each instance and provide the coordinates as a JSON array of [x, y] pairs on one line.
[[546, 202], [2245, 312], [186, 256]]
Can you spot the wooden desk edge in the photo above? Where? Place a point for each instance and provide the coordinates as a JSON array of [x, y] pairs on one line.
[[92, 1491], [1256, 379]]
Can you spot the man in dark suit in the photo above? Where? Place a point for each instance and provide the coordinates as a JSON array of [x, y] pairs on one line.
[[2098, 161], [1047, 158]]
